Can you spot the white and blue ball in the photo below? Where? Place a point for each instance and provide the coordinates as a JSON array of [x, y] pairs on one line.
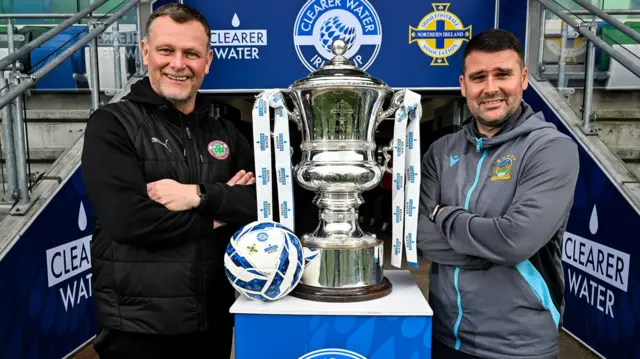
[[264, 260]]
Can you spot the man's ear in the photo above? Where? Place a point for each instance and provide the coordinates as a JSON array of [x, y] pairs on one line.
[[144, 50], [525, 78], [462, 89], [209, 60]]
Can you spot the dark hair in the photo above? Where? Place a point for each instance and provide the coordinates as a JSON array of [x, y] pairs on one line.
[[493, 40], [180, 14]]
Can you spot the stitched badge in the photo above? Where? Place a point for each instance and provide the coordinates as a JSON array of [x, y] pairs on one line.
[[218, 149], [503, 170]]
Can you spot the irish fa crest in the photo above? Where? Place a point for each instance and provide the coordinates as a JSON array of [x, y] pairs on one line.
[[440, 34], [503, 170]]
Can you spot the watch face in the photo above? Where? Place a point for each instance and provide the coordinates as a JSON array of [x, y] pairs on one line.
[[201, 190]]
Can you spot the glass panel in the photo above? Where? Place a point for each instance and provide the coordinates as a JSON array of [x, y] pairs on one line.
[[43, 136], [612, 110]]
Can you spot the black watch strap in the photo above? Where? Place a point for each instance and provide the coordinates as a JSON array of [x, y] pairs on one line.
[[202, 193]]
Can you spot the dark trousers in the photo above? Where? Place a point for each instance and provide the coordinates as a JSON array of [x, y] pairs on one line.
[[110, 344], [440, 351]]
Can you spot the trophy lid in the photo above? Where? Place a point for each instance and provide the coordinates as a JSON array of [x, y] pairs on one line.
[[339, 69]]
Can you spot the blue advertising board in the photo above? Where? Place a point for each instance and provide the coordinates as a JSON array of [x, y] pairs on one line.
[[396, 326], [406, 43], [333, 337], [602, 281], [46, 297]]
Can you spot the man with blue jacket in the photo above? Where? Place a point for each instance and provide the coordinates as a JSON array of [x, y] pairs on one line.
[[495, 199]]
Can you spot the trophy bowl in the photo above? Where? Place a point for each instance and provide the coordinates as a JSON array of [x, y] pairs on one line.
[[337, 109]]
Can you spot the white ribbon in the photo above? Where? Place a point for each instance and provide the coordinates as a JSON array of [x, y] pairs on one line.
[[262, 157], [406, 179]]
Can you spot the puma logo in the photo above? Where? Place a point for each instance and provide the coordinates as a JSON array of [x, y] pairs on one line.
[[165, 143]]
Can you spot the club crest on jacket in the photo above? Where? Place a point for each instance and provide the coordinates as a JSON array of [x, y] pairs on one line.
[[218, 149], [503, 170]]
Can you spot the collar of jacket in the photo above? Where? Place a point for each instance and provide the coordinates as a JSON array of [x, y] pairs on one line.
[[142, 92]]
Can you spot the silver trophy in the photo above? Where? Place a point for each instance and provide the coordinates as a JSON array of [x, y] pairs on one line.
[[338, 108]]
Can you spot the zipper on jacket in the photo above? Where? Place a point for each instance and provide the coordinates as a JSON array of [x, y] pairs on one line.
[[192, 165], [456, 274]]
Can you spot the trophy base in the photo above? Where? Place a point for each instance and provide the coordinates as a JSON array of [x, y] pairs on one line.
[[343, 295]]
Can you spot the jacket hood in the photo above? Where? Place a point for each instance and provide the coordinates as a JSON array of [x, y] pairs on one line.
[[142, 92], [522, 122]]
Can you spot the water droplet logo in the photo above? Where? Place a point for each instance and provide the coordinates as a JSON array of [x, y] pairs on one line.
[[593, 222], [235, 22], [82, 218]]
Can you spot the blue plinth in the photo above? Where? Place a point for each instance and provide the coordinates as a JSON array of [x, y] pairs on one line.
[[397, 326]]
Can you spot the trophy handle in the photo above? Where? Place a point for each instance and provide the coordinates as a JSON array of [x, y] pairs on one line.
[[294, 115], [387, 157], [396, 102]]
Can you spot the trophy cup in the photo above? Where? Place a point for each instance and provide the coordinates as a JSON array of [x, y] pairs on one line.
[[337, 108]]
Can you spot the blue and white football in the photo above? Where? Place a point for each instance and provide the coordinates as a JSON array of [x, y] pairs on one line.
[[264, 260]]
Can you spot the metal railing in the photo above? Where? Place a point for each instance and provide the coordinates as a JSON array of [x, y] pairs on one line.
[[12, 105], [13, 56], [588, 30]]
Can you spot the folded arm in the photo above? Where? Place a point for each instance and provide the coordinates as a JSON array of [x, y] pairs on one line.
[[433, 245], [545, 192], [117, 190], [234, 203]]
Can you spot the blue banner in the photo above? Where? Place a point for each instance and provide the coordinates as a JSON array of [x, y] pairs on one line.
[[332, 337], [46, 297], [406, 43], [602, 281]]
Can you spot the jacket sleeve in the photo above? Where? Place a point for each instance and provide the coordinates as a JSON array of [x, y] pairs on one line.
[[234, 204], [117, 190], [431, 242], [543, 197]]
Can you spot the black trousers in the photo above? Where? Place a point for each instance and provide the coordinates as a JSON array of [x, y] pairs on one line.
[[111, 344], [440, 351]]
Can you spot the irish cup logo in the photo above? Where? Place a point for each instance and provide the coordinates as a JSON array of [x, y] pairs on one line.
[[320, 22]]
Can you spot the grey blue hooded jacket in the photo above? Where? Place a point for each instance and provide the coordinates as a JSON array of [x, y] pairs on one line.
[[496, 283]]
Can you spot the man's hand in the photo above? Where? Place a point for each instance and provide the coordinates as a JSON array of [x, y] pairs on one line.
[[173, 195], [241, 178]]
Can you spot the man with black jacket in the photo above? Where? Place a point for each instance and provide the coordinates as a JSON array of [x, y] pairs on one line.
[[169, 185]]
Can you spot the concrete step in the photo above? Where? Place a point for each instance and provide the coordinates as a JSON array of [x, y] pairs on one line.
[[619, 134]]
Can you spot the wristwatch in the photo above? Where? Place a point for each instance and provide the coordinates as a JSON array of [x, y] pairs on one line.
[[432, 215], [202, 193]]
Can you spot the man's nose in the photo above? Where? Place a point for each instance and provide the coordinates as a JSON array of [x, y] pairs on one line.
[[177, 61], [490, 85]]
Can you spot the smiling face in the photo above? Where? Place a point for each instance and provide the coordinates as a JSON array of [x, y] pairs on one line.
[[493, 83], [178, 57]]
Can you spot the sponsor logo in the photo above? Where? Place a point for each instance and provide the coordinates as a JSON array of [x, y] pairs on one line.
[[236, 43], [320, 22], [69, 267], [332, 354]]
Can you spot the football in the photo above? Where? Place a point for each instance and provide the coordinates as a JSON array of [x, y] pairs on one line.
[[264, 260]]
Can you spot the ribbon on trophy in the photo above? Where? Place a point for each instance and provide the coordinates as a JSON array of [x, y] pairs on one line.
[[262, 156], [406, 179]]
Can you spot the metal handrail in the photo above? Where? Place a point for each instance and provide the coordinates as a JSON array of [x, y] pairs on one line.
[[47, 16], [610, 12], [14, 56], [611, 20], [33, 78], [623, 60]]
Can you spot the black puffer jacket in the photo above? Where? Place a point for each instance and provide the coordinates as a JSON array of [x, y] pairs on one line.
[[155, 270]]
